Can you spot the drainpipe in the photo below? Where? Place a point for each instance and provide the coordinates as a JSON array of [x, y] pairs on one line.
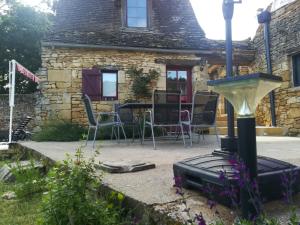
[[265, 18]]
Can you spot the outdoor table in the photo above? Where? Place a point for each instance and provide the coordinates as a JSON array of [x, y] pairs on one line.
[[138, 105], [144, 106]]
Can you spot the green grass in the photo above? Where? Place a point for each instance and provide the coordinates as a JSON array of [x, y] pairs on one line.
[[18, 212]]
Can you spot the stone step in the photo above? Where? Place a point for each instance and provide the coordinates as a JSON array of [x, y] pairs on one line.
[[222, 117], [223, 123], [260, 131]]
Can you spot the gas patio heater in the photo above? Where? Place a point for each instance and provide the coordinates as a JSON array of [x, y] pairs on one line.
[[244, 93]]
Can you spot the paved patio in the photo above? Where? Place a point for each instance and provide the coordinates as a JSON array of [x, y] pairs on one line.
[[154, 187]]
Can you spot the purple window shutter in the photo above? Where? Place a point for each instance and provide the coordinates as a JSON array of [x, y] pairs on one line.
[[91, 83]]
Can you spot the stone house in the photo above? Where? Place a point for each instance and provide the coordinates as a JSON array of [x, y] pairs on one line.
[[285, 54], [94, 42]]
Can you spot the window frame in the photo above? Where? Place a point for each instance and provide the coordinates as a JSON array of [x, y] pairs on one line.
[[294, 70], [109, 98], [148, 13]]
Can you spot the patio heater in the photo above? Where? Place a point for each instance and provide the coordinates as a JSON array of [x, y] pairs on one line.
[[229, 143], [244, 93]]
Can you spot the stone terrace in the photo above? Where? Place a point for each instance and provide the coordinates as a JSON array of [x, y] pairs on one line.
[[153, 188]]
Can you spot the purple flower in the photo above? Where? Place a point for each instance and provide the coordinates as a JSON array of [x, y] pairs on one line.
[[222, 176], [178, 181], [288, 180], [212, 204], [199, 219], [233, 161], [179, 191]]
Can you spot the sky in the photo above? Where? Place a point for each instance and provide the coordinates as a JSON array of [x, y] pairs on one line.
[[244, 22], [210, 17]]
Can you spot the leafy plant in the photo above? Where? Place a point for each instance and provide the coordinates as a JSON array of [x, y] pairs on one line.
[[141, 81], [71, 198], [29, 179], [59, 130]]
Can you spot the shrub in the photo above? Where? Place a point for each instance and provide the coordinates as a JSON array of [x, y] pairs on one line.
[[29, 180], [71, 197], [59, 131]]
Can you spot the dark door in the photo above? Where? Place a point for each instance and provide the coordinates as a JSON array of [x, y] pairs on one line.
[[180, 78]]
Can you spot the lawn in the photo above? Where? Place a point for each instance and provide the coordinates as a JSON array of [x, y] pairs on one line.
[[18, 212]]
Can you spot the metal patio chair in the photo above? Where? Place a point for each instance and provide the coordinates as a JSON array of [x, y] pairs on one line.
[[203, 114], [96, 122], [128, 119], [166, 108]]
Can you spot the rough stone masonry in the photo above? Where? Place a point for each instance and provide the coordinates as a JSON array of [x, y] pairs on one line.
[[61, 93], [285, 42]]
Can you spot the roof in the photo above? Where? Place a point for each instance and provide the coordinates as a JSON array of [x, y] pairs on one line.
[[98, 24]]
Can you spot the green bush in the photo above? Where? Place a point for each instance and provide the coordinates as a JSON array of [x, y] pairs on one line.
[[71, 197], [67, 131], [59, 131], [29, 180]]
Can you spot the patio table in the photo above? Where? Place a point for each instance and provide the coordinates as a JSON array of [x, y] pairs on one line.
[[144, 106], [138, 105]]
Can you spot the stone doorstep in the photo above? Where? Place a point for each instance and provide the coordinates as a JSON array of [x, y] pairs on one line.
[[125, 166]]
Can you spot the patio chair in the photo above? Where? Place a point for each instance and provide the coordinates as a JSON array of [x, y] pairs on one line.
[[203, 114], [95, 121], [166, 108], [129, 120]]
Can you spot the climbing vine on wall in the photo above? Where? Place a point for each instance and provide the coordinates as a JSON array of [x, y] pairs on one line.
[[141, 81]]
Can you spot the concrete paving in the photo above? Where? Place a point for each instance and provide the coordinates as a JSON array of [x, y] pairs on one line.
[[154, 187]]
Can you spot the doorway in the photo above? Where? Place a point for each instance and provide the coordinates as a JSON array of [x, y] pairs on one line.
[[180, 78]]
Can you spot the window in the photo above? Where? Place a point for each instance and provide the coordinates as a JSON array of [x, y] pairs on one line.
[[296, 70], [100, 85], [109, 84], [137, 13]]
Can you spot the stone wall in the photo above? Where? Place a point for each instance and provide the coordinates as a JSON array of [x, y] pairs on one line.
[[285, 41], [62, 76], [24, 106]]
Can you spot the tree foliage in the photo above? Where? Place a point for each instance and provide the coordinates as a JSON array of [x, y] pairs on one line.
[[21, 31]]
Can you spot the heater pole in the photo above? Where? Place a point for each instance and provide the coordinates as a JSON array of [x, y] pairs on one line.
[[228, 9], [229, 143]]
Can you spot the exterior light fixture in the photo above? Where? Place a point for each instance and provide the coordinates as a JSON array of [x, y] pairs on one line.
[[244, 93]]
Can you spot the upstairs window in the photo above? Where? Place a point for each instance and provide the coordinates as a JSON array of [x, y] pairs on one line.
[[100, 85], [137, 13], [296, 70]]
